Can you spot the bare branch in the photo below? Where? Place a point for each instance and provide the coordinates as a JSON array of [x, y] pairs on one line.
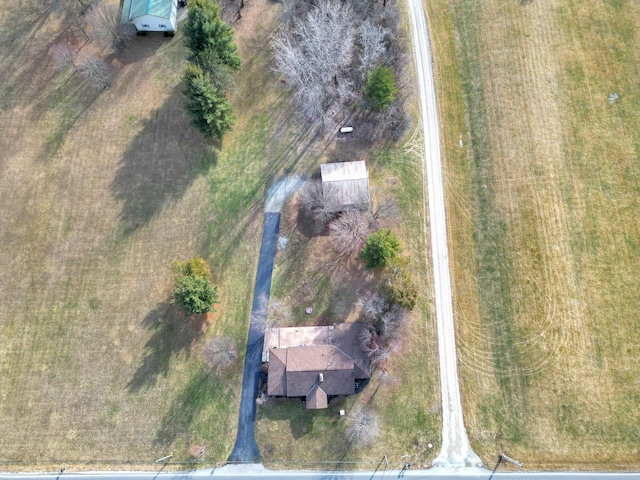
[[363, 427], [96, 71], [106, 27]]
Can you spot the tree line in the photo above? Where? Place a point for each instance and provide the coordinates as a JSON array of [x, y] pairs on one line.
[[209, 74], [340, 56]]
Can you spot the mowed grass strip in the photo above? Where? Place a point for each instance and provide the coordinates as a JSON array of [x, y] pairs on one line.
[[542, 173], [101, 191]]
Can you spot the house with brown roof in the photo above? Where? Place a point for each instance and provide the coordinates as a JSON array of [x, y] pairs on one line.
[[316, 362]]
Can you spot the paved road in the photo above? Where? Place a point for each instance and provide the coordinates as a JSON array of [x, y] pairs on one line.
[[235, 472], [246, 449], [455, 451]]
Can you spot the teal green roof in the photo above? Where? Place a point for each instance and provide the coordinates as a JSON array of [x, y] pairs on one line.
[[137, 8]]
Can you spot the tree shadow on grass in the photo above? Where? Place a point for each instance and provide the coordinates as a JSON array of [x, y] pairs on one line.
[[172, 335], [160, 164]]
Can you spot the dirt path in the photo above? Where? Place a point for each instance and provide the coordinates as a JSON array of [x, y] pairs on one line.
[[456, 451]]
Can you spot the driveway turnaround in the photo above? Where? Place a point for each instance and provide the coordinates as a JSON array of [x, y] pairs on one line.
[[455, 451], [246, 449]]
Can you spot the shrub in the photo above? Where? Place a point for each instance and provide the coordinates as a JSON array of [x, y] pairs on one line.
[[195, 266], [220, 353], [398, 284], [194, 294], [380, 90], [379, 248]]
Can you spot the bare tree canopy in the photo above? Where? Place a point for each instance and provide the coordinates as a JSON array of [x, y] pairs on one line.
[[220, 353], [315, 54], [96, 71], [105, 26], [317, 206], [363, 427], [325, 51], [350, 230], [372, 46]]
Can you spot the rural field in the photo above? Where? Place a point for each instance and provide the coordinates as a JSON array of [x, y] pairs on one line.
[[539, 104], [102, 189]]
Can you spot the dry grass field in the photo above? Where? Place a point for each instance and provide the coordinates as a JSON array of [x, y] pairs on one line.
[[543, 181], [101, 190]]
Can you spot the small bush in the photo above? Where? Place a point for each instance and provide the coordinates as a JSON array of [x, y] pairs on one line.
[[220, 353], [398, 284], [195, 266], [194, 294], [363, 427], [380, 248]]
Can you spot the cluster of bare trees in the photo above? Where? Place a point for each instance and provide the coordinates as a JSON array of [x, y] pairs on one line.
[[348, 227], [325, 52], [389, 322], [103, 33]]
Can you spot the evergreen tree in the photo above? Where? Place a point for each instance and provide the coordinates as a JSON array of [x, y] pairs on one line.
[[194, 294], [380, 248], [206, 31], [380, 90], [209, 109]]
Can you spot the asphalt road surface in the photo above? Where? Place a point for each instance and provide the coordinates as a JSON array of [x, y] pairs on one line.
[[235, 472], [246, 449], [455, 451]]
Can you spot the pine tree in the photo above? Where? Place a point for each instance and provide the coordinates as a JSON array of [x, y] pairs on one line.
[[380, 90], [209, 109], [205, 31]]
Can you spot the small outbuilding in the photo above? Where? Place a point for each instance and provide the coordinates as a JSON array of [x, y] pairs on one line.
[[151, 15], [345, 185]]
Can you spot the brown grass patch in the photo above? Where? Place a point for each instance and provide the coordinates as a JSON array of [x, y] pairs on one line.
[[541, 216]]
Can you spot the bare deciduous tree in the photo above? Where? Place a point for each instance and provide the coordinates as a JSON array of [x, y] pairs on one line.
[[105, 26], [62, 56], [350, 230], [373, 305], [390, 323], [372, 46], [363, 426], [96, 71], [220, 353], [320, 208]]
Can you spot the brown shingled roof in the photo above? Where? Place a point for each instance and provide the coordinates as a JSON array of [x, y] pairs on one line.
[[316, 398], [276, 383], [304, 364]]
